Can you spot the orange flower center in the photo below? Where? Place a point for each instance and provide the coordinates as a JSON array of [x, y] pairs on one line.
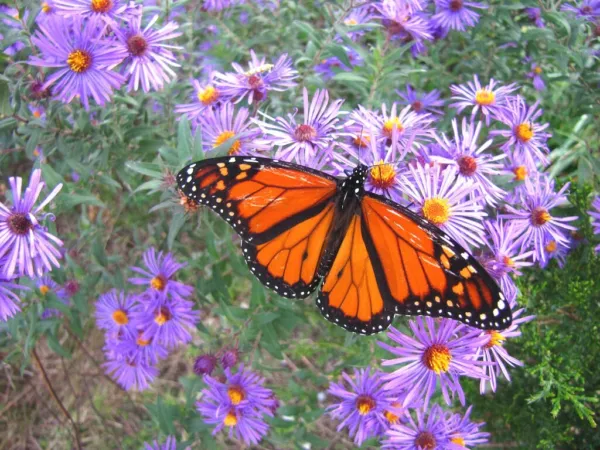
[[236, 394], [393, 123], [458, 441], [495, 339], [79, 61], [392, 418], [37, 114], [230, 419], [551, 247], [350, 22], [383, 175], [141, 341], [520, 172], [101, 6], [364, 404], [158, 283], [120, 317], [485, 97], [537, 70], [46, 8], [540, 216], [425, 441], [163, 315], [361, 141], [437, 358], [305, 133], [467, 165], [44, 289], [524, 132], [208, 95], [508, 261], [224, 136], [436, 210]]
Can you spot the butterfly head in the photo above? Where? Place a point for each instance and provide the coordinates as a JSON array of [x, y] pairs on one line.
[[354, 183]]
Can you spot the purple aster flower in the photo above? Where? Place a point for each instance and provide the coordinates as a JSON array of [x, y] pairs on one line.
[[519, 167], [595, 215], [229, 357], [504, 257], [84, 60], [406, 130], [434, 354], [28, 247], [455, 14], [536, 76], [159, 273], [362, 408], [257, 80], [47, 11], [556, 251], [9, 301], [428, 432], [129, 373], [138, 348], [110, 11], [525, 135], [227, 405], [167, 320], [490, 99], [532, 217], [357, 16], [404, 26], [38, 112], [446, 202], [170, 444], [422, 102], [535, 15], [205, 364], [493, 351], [332, 65], [472, 161], [46, 285], [308, 139], [223, 123], [205, 96], [149, 59], [216, 5], [587, 9], [463, 432], [114, 313]]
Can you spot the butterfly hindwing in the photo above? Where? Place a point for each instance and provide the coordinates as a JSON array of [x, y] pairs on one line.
[[425, 272], [258, 197], [350, 295], [289, 262]]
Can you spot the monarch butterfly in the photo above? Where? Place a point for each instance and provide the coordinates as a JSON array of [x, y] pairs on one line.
[[373, 258]]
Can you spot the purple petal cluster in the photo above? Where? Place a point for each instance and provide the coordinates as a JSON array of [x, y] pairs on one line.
[[595, 215]]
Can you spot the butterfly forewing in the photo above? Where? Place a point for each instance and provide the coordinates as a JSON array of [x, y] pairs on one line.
[[425, 272]]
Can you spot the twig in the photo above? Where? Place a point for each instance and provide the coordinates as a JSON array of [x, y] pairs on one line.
[[38, 362]]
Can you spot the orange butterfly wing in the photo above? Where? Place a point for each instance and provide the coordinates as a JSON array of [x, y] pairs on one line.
[[283, 212], [422, 271], [350, 295]]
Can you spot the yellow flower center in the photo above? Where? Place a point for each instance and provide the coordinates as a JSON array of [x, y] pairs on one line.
[[540, 216], [208, 95], [364, 404], [495, 339], [392, 418], [458, 441], [537, 70], [120, 317], [361, 141], [101, 6], [79, 61], [425, 441], [163, 315], [46, 8], [350, 22], [158, 283], [437, 358], [230, 419], [551, 246], [141, 341], [383, 175], [236, 394], [520, 172], [508, 261], [485, 97], [224, 136], [393, 123], [524, 132], [436, 210], [44, 289]]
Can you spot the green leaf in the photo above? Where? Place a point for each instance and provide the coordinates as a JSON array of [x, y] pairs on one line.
[[176, 224], [149, 169], [198, 152], [55, 346], [350, 77], [5, 108], [184, 140]]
